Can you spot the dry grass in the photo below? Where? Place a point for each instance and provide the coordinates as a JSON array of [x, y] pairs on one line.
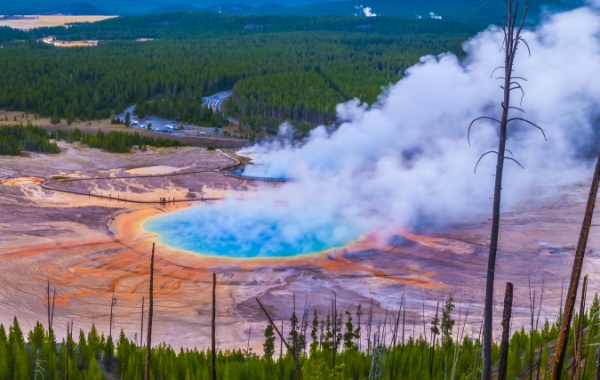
[[32, 22], [17, 117]]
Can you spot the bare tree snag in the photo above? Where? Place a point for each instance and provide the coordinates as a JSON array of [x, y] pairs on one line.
[[508, 297], [48, 297], [281, 342], [563, 336], [113, 301], [69, 347], [369, 326], [67, 354], [150, 312], [434, 332], [213, 369], [395, 336], [142, 326], [50, 306], [335, 326], [577, 347], [598, 363], [512, 39]]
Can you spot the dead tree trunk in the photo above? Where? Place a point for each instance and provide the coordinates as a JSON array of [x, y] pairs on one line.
[[598, 364], [335, 319], [434, 332], [69, 347], [578, 346], [281, 343], [563, 336], [508, 297], [369, 326], [50, 306], [48, 296], [112, 304], [512, 38], [403, 326], [289, 348], [67, 354], [212, 332], [142, 326], [150, 313]]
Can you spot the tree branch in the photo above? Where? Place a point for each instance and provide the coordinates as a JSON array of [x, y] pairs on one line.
[[481, 157], [530, 123], [475, 120]]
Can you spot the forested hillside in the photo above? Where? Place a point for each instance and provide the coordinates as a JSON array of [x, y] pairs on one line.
[[278, 67]]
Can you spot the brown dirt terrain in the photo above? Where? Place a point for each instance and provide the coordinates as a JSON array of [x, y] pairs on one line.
[[90, 246]]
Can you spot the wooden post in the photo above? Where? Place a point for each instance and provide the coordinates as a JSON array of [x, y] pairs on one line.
[[150, 312], [506, 315]]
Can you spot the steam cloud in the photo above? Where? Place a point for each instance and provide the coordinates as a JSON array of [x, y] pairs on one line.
[[406, 158], [369, 12]]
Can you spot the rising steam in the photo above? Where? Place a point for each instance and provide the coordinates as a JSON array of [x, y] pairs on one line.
[[406, 158]]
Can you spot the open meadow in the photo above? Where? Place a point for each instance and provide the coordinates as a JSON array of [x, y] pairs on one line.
[[29, 22]]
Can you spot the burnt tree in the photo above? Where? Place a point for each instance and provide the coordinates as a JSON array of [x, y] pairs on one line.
[[512, 28], [150, 315], [563, 336]]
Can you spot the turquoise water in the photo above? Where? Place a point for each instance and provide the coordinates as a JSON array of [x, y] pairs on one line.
[[219, 230]]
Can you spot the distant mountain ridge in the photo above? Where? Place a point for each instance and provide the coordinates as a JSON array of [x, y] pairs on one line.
[[471, 11], [77, 9], [175, 8], [132, 7]]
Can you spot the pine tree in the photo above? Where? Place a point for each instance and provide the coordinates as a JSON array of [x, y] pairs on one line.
[[4, 354], [21, 368], [93, 371], [55, 119], [127, 119], [447, 323], [594, 307], [349, 334], [269, 345], [49, 354], [293, 334], [328, 338], [314, 332]]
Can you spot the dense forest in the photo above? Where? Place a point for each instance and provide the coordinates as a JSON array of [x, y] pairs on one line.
[[278, 67], [348, 346], [15, 139], [113, 141]]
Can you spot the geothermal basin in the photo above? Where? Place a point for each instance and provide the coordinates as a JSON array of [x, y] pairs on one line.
[[89, 247], [218, 230]]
